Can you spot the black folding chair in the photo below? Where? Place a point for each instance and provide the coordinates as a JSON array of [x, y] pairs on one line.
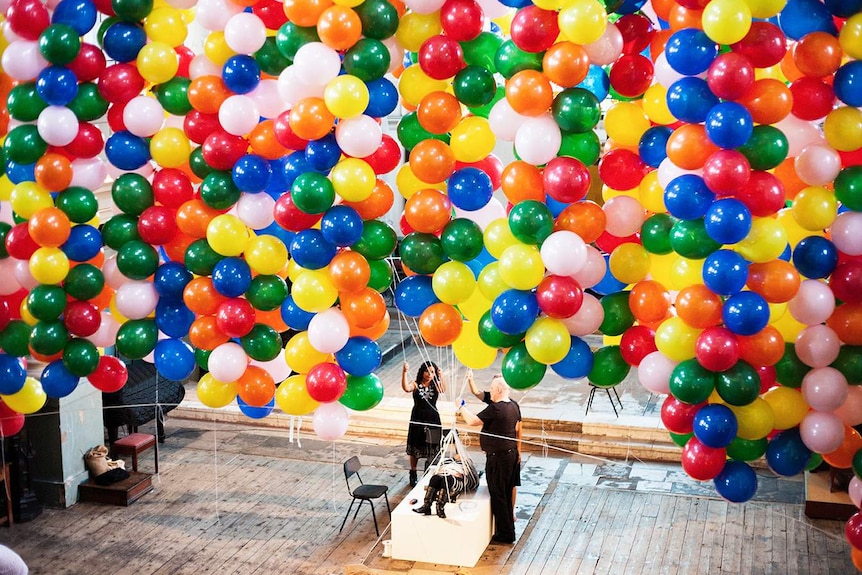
[[364, 492]]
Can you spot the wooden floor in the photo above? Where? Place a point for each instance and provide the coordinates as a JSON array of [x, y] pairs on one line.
[[251, 502]]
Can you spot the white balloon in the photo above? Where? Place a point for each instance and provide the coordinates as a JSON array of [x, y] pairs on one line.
[[330, 421], [328, 331], [256, 210], [228, 362], [268, 98], [22, 60], [424, 6], [106, 335], [143, 116], [113, 276], [214, 14], [587, 319], [667, 171], [564, 253], [146, 170], [316, 63], [136, 299], [183, 4], [817, 164], [538, 140], [277, 368], [654, 372], [664, 74], [57, 125], [492, 9], [608, 48], [593, 269], [245, 33], [799, 133], [292, 89], [504, 121], [491, 211], [203, 66], [359, 136], [23, 275], [238, 115], [89, 173]]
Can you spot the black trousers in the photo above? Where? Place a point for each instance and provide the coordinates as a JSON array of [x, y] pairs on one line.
[[501, 472]]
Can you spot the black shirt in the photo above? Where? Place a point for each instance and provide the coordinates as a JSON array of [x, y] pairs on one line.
[[499, 422]]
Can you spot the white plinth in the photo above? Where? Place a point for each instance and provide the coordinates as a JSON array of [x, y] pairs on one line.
[[460, 539]]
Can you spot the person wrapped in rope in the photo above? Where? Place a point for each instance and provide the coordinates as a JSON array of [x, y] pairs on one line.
[[452, 477]]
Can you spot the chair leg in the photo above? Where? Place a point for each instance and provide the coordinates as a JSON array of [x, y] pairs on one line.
[[358, 507], [346, 515], [374, 516], [389, 509]]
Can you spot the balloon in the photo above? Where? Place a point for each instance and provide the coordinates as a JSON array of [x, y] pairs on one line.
[[786, 454], [330, 421], [737, 482], [702, 462]]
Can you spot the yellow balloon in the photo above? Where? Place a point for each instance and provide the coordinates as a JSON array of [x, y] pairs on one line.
[[157, 62], [765, 241], [655, 105], [547, 340], [414, 84], [170, 147], [583, 21], [625, 123], [521, 267], [166, 25], [850, 37], [474, 306], [313, 291], [498, 237], [675, 339], [788, 406], [49, 266], [611, 340], [661, 266], [685, 272], [765, 8], [414, 29], [227, 235], [755, 420], [266, 254], [843, 129], [472, 139], [453, 282], [293, 270], [6, 187], [773, 72], [216, 49], [408, 184], [29, 399], [214, 393], [726, 21], [26, 316], [651, 194], [608, 193], [292, 396], [471, 350], [300, 355], [346, 96], [491, 284], [815, 208], [115, 313], [353, 179], [629, 263], [788, 326], [27, 198], [794, 232]]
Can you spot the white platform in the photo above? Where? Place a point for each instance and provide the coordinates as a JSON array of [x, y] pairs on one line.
[[460, 539]]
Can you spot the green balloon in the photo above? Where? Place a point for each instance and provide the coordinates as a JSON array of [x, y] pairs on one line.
[[378, 240], [618, 316], [218, 190], [815, 461], [270, 59], [520, 370], [200, 258], [381, 275], [576, 110], [655, 234], [680, 438], [48, 337], [266, 292], [84, 281], [474, 86], [789, 371], [312, 193], [291, 38], [14, 340], [689, 239], [362, 393], [262, 343], [202, 358], [485, 110], [79, 204], [509, 60], [59, 44], [132, 10], [379, 19], [739, 385], [24, 145], [137, 338], [198, 165], [609, 367], [410, 132], [462, 240], [103, 28], [747, 449], [531, 222], [80, 357], [691, 383], [119, 230], [482, 50], [368, 59], [173, 95], [4, 231], [848, 188], [584, 146], [137, 260], [493, 337], [88, 105], [421, 252], [132, 194], [46, 303], [766, 147], [24, 102], [849, 363]]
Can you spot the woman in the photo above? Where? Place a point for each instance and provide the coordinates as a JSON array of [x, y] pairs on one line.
[[423, 435], [452, 477]]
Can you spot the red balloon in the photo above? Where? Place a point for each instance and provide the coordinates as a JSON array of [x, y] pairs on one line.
[[846, 281], [462, 20], [326, 382], [115, 117], [637, 32], [636, 343], [622, 169], [404, 226], [88, 143], [120, 83], [197, 125], [534, 29], [812, 98], [172, 188], [559, 296], [491, 165], [566, 179], [291, 218], [284, 133], [716, 349], [82, 318], [105, 7], [730, 76], [726, 172], [441, 57], [5, 314], [19, 244], [678, 417], [631, 75], [157, 225], [764, 45], [11, 422], [701, 462], [27, 18], [185, 56], [271, 13], [764, 194], [386, 157], [235, 317], [608, 243], [768, 377], [853, 530], [222, 150], [88, 64], [110, 375]]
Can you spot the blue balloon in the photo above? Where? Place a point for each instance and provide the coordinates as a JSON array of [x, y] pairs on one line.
[[687, 197], [294, 316], [231, 276], [360, 356], [123, 40], [241, 74], [322, 155], [727, 221], [57, 85], [127, 151], [715, 425], [80, 15], [255, 412], [515, 3], [478, 263], [608, 283], [57, 381], [848, 83], [630, 6], [341, 226], [173, 318], [786, 254], [294, 166], [690, 100], [554, 206], [737, 482], [382, 98], [578, 361], [725, 272], [84, 243], [251, 173], [12, 374], [311, 250], [174, 359], [514, 311], [745, 313], [597, 81], [729, 125], [843, 8], [690, 51], [652, 147], [786, 454], [18, 173], [273, 229], [801, 17], [414, 295], [171, 279], [815, 257], [470, 189]]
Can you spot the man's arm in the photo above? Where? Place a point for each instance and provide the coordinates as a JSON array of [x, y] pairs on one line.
[[469, 418], [480, 395]]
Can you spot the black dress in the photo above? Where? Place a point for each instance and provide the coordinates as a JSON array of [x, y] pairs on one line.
[[425, 432]]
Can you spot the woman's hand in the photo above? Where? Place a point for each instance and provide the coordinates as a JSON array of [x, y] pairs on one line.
[[405, 367]]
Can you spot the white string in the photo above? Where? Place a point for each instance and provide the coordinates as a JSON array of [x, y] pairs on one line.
[[215, 466]]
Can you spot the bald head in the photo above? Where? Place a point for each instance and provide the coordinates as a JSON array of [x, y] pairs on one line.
[[499, 389]]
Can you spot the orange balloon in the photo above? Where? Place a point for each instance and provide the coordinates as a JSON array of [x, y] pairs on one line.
[[428, 210], [777, 281], [432, 161], [201, 297], [310, 119], [97, 260], [377, 204], [649, 301], [842, 458], [522, 181], [788, 67], [587, 219], [263, 142], [272, 318], [439, 112], [205, 334], [349, 271], [364, 308], [856, 556], [689, 147], [662, 8], [49, 227], [45, 358], [339, 27], [176, 248], [658, 42], [103, 300], [440, 324], [681, 17], [256, 386], [53, 172], [768, 100], [786, 172], [206, 94], [194, 216], [373, 332], [817, 54], [846, 320], [566, 64], [698, 306], [529, 93], [305, 13], [765, 347]]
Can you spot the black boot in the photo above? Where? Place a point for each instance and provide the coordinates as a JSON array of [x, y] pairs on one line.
[[430, 494], [442, 497], [413, 479]]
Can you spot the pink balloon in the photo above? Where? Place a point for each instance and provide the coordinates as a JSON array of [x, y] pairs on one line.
[[587, 319], [106, 335], [654, 372], [593, 269], [850, 411], [607, 48], [813, 303], [277, 368], [330, 421], [817, 345], [822, 432], [817, 164], [825, 388], [625, 216], [845, 233], [855, 491], [228, 362]]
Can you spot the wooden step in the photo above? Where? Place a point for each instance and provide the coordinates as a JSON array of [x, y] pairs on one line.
[[122, 493]]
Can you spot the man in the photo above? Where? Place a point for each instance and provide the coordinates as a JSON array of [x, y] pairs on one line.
[[500, 440]]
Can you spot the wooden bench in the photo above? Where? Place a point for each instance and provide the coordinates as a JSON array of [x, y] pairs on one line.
[[134, 444]]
